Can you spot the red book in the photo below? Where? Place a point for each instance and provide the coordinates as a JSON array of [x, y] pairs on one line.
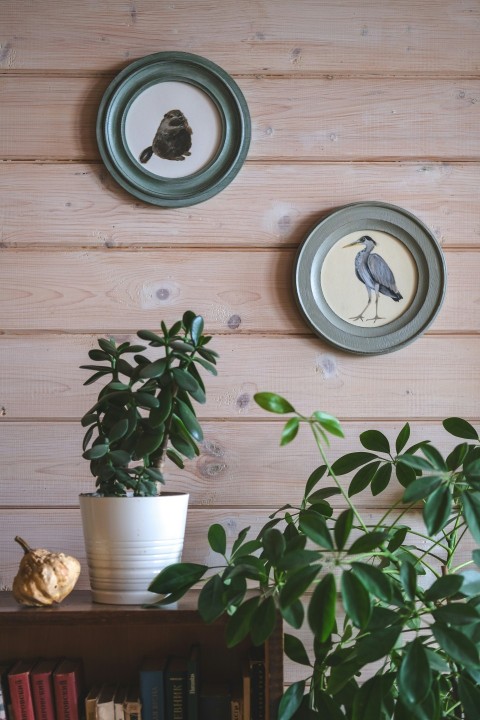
[[20, 690], [68, 690], [41, 681]]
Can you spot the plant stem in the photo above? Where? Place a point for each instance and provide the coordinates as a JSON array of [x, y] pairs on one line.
[[317, 437]]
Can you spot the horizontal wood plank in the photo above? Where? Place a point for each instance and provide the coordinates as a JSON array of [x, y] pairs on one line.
[[268, 204], [292, 119], [234, 290], [246, 36], [431, 378], [241, 464]]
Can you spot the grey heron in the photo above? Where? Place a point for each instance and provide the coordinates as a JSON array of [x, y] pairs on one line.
[[374, 273]]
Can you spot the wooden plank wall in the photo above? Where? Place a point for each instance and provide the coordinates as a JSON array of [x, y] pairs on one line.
[[349, 101]]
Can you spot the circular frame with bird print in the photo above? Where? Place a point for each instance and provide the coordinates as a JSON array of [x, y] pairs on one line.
[[369, 278], [173, 129]]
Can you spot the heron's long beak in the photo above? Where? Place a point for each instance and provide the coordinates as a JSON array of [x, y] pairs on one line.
[[355, 242]]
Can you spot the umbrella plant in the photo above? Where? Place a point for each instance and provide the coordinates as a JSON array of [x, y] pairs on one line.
[[393, 613], [144, 413]]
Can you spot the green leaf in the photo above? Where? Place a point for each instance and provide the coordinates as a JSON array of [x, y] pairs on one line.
[[151, 337], [408, 576], [434, 457], [120, 458], [343, 526], [368, 542], [476, 557], [356, 599], [368, 700], [437, 509], [471, 583], [175, 458], [322, 608], [147, 444], [145, 400], [210, 602], [397, 539], [377, 645], [376, 582], [108, 346], [273, 545], [291, 700], [314, 478], [177, 576], [217, 538], [457, 456], [196, 328], [262, 623], [351, 461], [208, 366], [444, 587], [315, 527], [460, 428], [290, 431], [363, 478], [118, 430], [96, 452], [456, 613], [375, 440], [189, 419], [460, 648], [402, 438], [415, 462], [238, 626], [295, 650], [381, 479], [273, 403], [469, 696], [297, 583], [420, 488], [294, 614], [471, 511], [329, 423], [415, 677], [154, 369], [184, 380]]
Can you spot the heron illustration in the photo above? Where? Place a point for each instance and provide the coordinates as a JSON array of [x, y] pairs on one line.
[[374, 273]]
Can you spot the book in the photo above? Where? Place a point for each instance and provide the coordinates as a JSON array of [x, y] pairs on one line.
[[246, 690], [152, 688], [20, 690], [41, 680], [68, 689], [236, 702], [176, 688], [132, 706], [91, 703], [118, 701], [215, 702], [257, 677], [193, 682], [5, 704], [105, 708]]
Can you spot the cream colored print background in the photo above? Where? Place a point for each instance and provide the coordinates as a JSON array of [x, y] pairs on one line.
[[347, 295]]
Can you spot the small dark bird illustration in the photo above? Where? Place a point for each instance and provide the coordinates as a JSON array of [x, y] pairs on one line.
[[374, 273], [172, 140]]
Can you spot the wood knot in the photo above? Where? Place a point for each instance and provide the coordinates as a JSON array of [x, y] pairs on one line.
[[234, 322]]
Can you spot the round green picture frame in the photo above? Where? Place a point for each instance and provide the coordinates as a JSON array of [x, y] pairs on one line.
[[197, 74], [358, 335]]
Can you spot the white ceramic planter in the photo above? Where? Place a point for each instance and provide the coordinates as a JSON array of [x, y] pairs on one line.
[[129, 540]]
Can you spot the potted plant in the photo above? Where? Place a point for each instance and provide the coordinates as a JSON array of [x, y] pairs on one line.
[[144, 415], [392, 612]]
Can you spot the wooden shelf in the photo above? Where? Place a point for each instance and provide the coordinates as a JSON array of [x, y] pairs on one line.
[[112, 639]]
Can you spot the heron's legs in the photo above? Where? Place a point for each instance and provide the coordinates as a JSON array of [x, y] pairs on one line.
[[360, 317], [377, 316]]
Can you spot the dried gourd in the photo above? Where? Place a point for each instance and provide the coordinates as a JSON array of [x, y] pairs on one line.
[[44, 577]]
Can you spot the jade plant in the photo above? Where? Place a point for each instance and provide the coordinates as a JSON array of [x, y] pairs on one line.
[[392, 612], [144, 413]]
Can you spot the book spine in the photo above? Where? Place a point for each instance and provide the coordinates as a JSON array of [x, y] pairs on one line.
[[152, 695], [67, 697], [176, 698], [21, 697], [258, 700], [43, 699]]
